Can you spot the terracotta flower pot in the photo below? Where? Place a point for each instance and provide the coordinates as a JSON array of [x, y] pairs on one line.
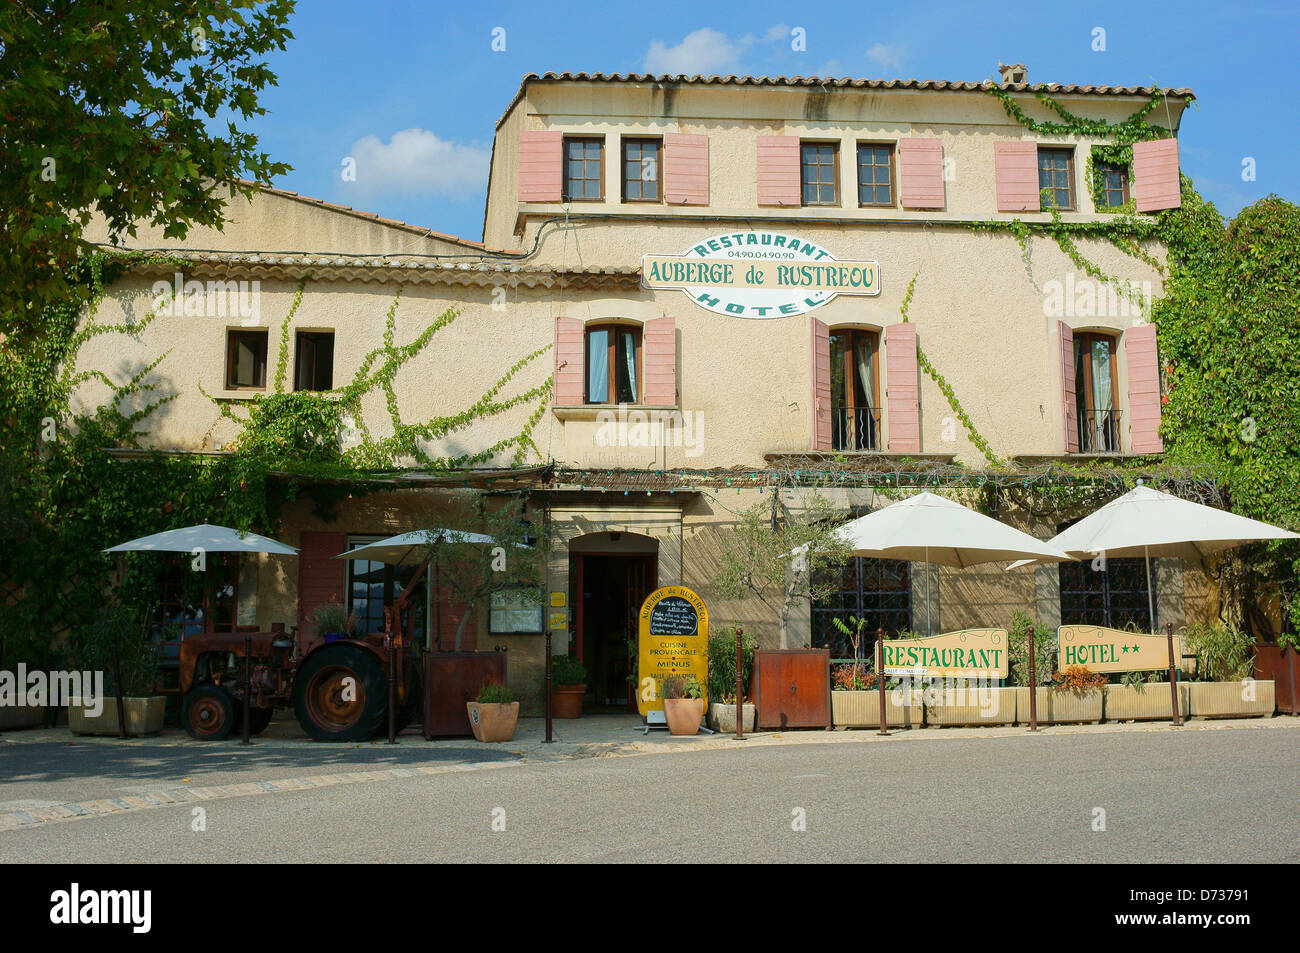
[[568, 700], [493, 721], [684, 715]]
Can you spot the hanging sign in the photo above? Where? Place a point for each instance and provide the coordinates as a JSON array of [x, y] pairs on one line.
[[968, 653], [1113, 650], [759, 274], [672, 639]]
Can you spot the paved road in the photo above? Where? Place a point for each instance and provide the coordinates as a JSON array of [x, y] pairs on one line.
[[1168, 797]]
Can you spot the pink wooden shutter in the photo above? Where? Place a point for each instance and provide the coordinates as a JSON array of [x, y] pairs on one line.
[[778, 170], [1069, 408], [820, 355], [1155, 175], [1016, 166], [920, 173], [659, 362], [686, 169], [902, 390], [322, 579], [568, 362], [541, 166], [1143, 388]]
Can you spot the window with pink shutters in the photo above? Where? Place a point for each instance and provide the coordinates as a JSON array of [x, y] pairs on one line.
[[686, 169], [1016, 168], [1155, 175], [903, 389], [568, 362], [820, 359], [920, 173], [778, 170], [541, 166], [659, 356], [1069, 394], [1143, 388]]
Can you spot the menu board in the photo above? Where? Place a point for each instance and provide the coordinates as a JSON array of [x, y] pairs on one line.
[[672, 641], [673, 615]]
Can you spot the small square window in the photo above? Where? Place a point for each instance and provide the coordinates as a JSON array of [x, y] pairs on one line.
[[875, 174], [1112, 185], [584, 170], [819, 172], [641, 170], [314, 368], [246, 360], [1056, 175]]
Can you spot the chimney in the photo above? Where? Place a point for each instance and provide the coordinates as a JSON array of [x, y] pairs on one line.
[[1013, 73]]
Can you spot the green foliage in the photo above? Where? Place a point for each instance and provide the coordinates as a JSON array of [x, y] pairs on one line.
[[1018, 650], [1224, 653], [494, 694], [722, 662], [126, 111], [567, 670], [334, 619], [692, 688], [117, 643]]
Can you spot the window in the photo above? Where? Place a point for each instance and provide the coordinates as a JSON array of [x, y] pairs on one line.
[[515, 610], [819, 172], [641, 170], [178, 614], [584, 170], [373, 585], [613, 364], [1112, 594], [878, 590], [1095, 387], [315, 361], [1056, 174], [1112, 185], [246, 360], [855, 404], [875, 174]]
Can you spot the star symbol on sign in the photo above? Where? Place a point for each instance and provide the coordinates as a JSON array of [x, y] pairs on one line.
[[1135, 648], [1125, 648]]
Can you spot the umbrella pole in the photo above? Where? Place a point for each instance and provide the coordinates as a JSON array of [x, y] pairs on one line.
[[929, 626], [1151, 593]]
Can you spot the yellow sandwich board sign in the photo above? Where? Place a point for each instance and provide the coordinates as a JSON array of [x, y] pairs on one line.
[[672, 639], [1103, 650], [968, 653]]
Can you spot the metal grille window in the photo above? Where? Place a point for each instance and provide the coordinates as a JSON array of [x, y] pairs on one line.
[[641, 170], [878, 590], [1056, 174], [875, 174], [584, 169], [819, 173], [1112, 596]]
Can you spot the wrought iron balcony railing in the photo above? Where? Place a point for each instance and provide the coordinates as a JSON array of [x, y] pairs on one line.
[[855, 428], [1099, 431]]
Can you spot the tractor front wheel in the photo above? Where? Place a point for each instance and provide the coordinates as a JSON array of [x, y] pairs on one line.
[[340, 694], [208, 713]]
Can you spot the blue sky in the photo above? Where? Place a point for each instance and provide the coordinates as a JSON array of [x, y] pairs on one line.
[[412, 90]]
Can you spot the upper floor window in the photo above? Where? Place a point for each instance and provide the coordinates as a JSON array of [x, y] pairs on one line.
[[1095, 387], [1056, 175], [314, 366], [875, 174], [246, 360], [1112, 185], [584, 169], [819, 172], [855, 401], [641, 170], [613, 364]]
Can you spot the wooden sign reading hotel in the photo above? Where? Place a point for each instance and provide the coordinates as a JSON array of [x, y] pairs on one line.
[[1103, 650]]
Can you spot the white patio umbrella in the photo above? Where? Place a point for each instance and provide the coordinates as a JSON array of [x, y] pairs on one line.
[[1145, 522], [931, 529], [205, 537]]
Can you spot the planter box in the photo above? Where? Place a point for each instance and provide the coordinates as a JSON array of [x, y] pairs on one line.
[[722, 718], [493, 721], [21, 716], [1279, 665], [862, 710], [1056, 707], [144, 716], [973, 706], [1224, 699], [1124, 703]]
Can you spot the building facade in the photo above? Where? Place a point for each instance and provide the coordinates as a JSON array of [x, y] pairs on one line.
[[745, 290]]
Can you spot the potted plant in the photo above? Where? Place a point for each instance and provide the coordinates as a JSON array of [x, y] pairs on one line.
[[722, 679], [683, 704], [1064, 702], [494, 714], [569, 678], [116, 645], [1225, 663], [333, 622]]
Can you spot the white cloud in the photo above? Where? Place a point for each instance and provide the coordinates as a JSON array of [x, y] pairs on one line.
[[887, 57], [417, 162], [704, 51]]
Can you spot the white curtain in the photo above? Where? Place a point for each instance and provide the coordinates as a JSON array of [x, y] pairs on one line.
[[598, 366], [1101, 391], [866, 422], [629, 361]]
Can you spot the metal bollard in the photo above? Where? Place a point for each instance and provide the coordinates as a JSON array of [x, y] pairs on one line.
[[248, 689], [740, 685], [549, 738]]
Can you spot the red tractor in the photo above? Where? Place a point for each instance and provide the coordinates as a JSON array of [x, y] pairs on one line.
[[339, 690]]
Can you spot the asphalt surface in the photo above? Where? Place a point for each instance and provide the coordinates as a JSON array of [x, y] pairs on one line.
[[1172, 796]]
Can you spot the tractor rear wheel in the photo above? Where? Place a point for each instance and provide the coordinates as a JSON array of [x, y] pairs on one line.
[[208, 713], [340, 694]]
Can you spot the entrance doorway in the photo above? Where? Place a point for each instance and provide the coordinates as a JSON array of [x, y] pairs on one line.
[[606, 589]]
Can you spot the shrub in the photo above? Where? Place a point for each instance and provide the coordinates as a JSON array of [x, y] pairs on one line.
[[1223, 652], [1078, 680], [333, 618], [1018, 650], [692, 688], [847, 677], [674, 687], [137, 658], [722, 662], [567, 670], [494, 694]]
